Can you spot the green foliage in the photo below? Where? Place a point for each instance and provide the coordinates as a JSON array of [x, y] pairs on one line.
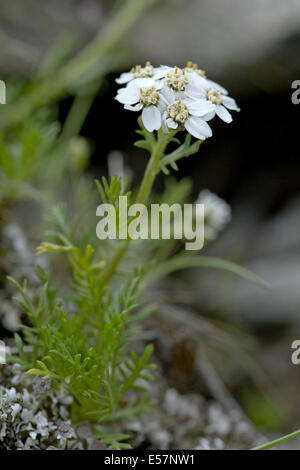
[[276, 442], [148, 142], [81, 336], [115, 441], [267, 413], [111, 191], [185, 261], [184, 150], [23, 158], [87, 347], [34, 160]]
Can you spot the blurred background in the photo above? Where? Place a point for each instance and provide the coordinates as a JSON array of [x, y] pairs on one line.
[[251, 48]]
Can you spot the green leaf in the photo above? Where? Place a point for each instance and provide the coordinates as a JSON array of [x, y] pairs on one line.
[[143, 144], [185, 261], [114, 441], [20, 346], [185, 150], [276, 442], [149, 141], [36, 372]]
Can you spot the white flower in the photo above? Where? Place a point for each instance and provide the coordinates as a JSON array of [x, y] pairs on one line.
[[175, 98], [143, 94], [193, 70], [184, 82], [186, 113], [141, 72], [217, 213], [176, 79], [209, 91]]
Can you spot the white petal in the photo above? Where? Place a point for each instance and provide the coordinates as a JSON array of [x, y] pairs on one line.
[[196, 87], [143, 82], [162, 105], [136, 107], [168, 94], [197, 80], [166, 68], [198, 128], [223, 114], [159, 84], [230, 103], [171, 124], [159, 72], [164, 124], [125, 78], [194, 94], [199, 107], [128, 95], [151, 118], [209, 116]]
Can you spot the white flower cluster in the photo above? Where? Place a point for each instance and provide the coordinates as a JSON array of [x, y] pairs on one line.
[[175, 98]]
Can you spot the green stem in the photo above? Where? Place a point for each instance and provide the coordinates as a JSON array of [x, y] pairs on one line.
[[153, 166], [79, 110], [274, 443], [150, 174], [116, 260]]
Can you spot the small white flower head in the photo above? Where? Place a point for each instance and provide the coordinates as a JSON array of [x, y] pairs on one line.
[[177, 113], [148, 71], [184, 82], [186, 114], [143, 94], [176, 79], [213, 93], [217, 213]]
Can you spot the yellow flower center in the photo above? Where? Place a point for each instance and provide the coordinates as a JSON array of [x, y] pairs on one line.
[[178, 112], [176, 79], [214, 96], [143, 72], [149, 96]]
